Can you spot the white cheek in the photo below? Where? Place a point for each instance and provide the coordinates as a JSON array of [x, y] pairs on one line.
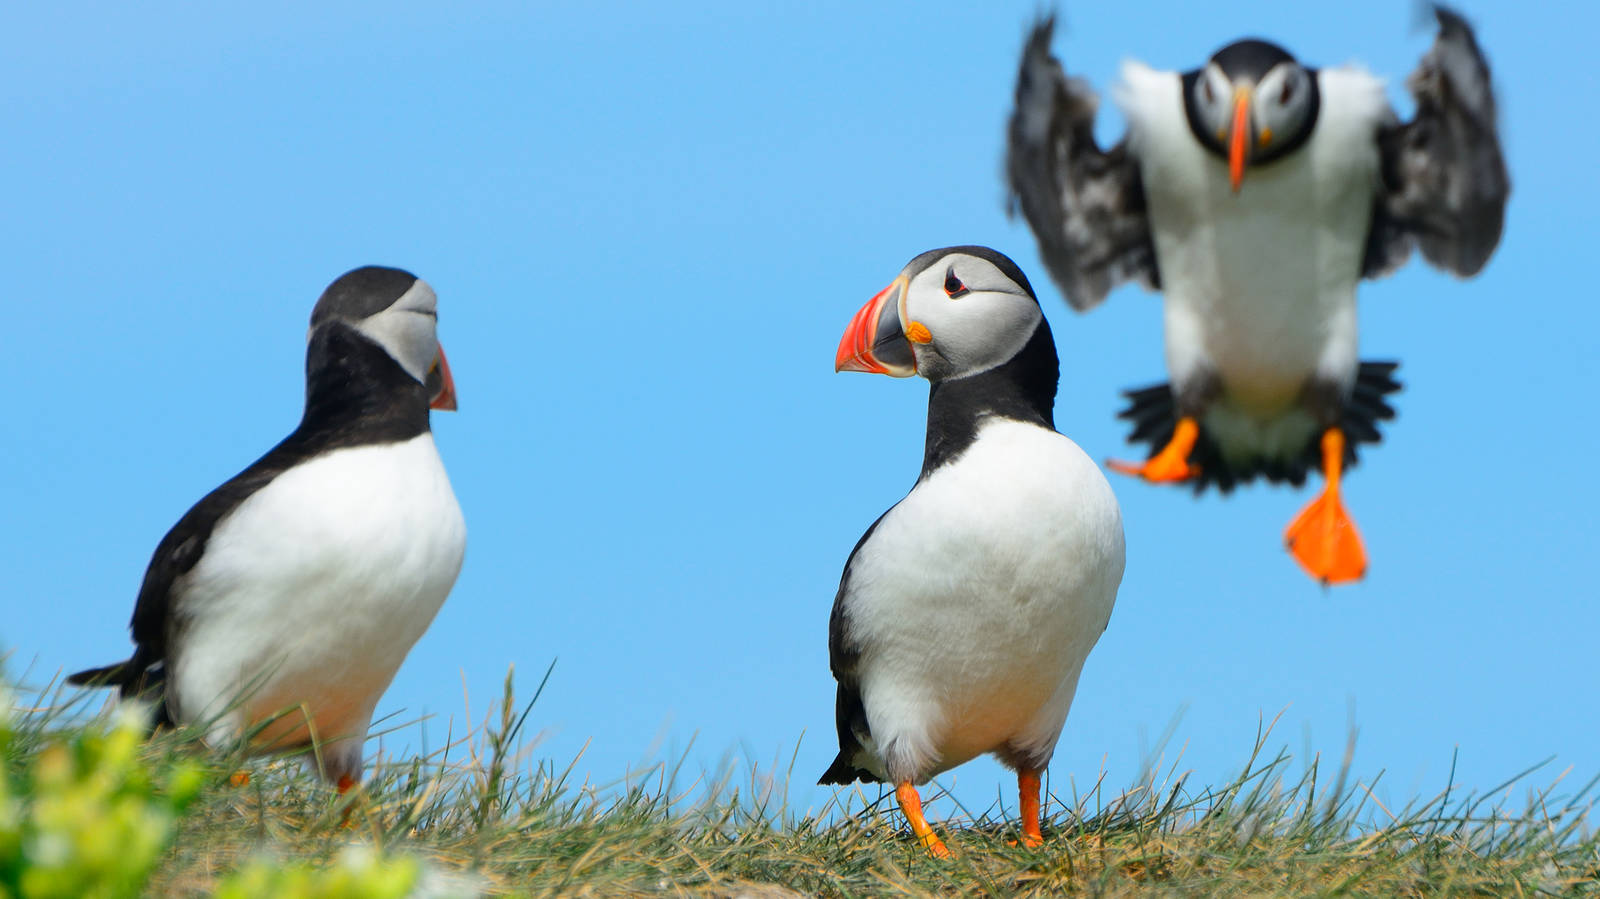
[[975, 336], [408, 337], [1217, 109]]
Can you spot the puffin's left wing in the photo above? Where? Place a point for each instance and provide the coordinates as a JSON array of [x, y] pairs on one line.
[[1444, 183], [1085, 206]]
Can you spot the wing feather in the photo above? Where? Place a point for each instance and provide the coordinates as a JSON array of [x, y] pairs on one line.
[[1086, 206], [1445, 183]]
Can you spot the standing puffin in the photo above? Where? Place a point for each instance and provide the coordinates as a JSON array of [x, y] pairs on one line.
[[966, 611], [1255, 193], [287, 598]]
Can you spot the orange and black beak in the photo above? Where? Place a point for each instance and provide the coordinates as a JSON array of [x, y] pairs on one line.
[[875, 341], [1240, 138], [441, 387]]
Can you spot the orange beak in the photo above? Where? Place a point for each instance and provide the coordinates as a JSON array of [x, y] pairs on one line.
[[1239, 142], [445, 399], [875, 342]]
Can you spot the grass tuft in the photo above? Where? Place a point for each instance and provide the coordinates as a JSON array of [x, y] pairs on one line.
[[483, 815]]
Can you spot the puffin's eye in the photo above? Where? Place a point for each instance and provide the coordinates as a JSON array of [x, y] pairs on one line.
[[1288, 91], [952, 285], [1205, 88]]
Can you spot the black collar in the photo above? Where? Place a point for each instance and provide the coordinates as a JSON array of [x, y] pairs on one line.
[[1023, 389], [356, 393]]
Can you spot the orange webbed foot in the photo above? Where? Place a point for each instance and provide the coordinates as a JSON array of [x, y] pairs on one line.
[[1324, 540], [1171, 465], [1158, 469]]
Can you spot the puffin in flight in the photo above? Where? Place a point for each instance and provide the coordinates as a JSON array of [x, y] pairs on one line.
[[966, 611], [1255, 193], [283, 602]]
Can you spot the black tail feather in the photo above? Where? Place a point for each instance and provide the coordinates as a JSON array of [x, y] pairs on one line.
[[1153, 413], [850, 717], [107, 676], [135, 678], [843, 772]]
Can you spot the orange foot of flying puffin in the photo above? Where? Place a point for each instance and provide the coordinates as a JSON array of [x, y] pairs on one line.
[[1171, 465], [1322, 538]]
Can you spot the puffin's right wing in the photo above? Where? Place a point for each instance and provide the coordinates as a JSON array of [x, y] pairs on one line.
[[1445, 183], [1086, 206]]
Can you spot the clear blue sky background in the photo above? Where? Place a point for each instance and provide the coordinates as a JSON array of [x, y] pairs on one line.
[[648, 228]]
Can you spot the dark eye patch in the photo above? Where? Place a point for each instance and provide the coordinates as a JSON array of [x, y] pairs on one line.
[[952, 285]]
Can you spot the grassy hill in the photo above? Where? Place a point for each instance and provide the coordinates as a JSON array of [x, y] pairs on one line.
[[481, 817]]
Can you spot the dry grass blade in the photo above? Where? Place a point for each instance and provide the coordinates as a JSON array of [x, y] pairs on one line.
[[483, 808]]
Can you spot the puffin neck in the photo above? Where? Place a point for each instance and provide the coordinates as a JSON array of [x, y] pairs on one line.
[[355, 389], [1022, 389]]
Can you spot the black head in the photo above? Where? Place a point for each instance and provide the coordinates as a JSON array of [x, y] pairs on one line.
[[397, 311], [1250, 59], [1252, 103], [363, 293]]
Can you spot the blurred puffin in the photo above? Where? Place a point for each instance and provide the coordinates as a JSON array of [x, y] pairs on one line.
[[1255, 193], [966, 611], [284, 601]]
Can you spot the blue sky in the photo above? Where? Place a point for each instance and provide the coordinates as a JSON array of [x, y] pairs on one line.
[[647, 228]]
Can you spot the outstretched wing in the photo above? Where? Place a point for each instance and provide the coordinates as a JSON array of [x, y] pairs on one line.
[[1085, 206], [1445, 183]]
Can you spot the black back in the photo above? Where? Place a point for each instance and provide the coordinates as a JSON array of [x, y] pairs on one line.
[[356, 395]]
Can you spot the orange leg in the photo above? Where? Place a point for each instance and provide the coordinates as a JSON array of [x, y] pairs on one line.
[[345, 785], [1028, 791], [1322, 538], [239, 779], [911, 804], [1171, 465]]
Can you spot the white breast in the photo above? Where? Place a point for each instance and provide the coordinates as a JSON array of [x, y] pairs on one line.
[[979, 596], [316, 587], [1259, 286]]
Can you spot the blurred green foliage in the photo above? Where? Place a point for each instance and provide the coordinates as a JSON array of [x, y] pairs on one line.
[[86, 814], [82, 816], [358, 873]]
